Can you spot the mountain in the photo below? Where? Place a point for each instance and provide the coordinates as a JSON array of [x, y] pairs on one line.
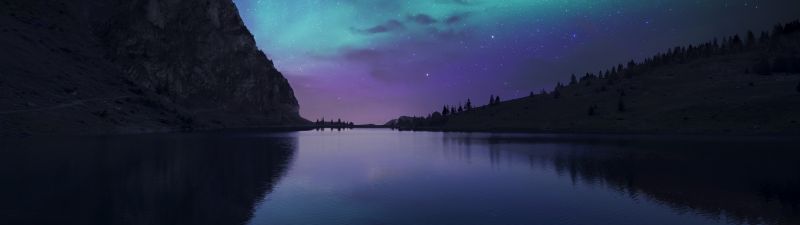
[[131, 66], [743, 85]]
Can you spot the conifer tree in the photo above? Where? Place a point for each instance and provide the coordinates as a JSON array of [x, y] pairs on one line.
[[573, 80], [751, 39], [631, 64], [764, 38], [469, 105], [497, 100]]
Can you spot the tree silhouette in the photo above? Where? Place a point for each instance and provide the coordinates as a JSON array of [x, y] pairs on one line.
[[491, 100], [736, 42], [497, 100], [469, 105], [764, 38], [573, 80], [445, 111], [751, 39]]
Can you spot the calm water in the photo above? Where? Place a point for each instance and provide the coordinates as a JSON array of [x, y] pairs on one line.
[[377, 177]]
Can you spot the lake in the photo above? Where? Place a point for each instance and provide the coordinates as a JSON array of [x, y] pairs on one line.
[[386, 177]]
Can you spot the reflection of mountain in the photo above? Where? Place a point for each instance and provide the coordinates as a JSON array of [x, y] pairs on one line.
[[743, 181], [138, 180], [729, 184]]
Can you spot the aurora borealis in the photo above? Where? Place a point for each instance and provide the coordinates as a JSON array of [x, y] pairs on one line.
[[369, 61]]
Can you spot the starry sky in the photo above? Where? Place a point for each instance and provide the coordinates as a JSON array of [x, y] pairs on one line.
[[370, 61]]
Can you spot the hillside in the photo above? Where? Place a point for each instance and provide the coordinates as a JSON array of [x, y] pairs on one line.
[[82, 66], [736, 85]]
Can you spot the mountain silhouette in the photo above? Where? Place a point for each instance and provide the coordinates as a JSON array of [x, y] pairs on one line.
[[732, 85], [81, 66]]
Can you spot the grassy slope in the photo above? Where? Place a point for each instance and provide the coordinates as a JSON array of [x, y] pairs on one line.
[[707, 95]]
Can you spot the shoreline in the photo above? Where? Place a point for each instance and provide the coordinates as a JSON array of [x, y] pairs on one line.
[[291, 128], [708, 132]]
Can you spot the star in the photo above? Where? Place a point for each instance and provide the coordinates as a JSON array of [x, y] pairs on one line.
[[334, 45]]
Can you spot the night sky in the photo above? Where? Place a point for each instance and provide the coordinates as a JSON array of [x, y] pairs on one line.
[[373, 60]]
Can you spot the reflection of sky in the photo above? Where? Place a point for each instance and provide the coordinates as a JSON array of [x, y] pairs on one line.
[[386, 177], [372, 60]]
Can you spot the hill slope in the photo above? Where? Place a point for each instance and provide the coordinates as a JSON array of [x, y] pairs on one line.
[[119, 66], [742, 85]]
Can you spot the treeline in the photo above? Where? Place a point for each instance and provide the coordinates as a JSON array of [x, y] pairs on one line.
[[778, 50], [439, 118], [321, 123], [777, 53]]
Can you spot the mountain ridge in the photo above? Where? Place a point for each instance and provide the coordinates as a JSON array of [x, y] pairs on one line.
[[135, 66], [735, 85]]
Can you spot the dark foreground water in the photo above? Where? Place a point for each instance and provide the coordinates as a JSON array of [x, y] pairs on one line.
[[383, 177]]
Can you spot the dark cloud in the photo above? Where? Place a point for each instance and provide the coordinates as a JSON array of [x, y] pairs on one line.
[[383, 64], [423, 19], [388, 26], [458, 2], [457, 18]]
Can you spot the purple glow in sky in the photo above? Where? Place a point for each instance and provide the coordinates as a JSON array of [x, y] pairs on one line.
[[372, 61]]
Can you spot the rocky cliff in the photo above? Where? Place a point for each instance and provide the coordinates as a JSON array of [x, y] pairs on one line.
[[134, 66]]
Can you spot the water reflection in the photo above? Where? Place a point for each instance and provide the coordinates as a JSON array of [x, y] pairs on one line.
[[745, 180], [388, 177], [154, 179]]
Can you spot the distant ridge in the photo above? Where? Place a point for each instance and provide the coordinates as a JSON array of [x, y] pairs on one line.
[[739, 84]]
